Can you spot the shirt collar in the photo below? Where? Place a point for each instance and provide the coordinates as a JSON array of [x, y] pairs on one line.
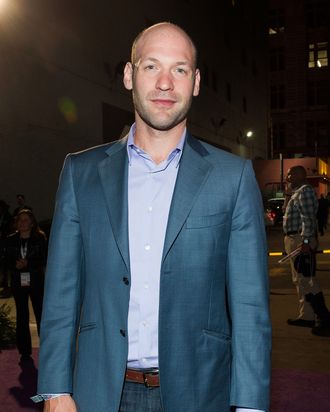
[[176, 152]]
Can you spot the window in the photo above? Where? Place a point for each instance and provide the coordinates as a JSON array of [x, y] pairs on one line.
[[277, 97], [276, 62], [318, 55], [317, 93], [276, 22], [317, 13], [317, 133], [279, 133]]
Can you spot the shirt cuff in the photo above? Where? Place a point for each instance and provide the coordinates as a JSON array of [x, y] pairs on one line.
[[248, 410], [47, 396]]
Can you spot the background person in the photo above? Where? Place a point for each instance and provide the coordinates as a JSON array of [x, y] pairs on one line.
[[21, 204], [322, 214], [5, 230], [25, 253], [157, 262], [299, 225]]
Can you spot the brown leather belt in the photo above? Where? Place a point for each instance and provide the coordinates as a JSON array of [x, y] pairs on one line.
[[148, 378]]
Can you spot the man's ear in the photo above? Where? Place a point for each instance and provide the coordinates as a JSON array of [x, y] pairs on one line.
[[197, 83], [128, 76]]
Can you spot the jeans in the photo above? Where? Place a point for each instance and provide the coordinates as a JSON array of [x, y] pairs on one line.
[[138, 398]]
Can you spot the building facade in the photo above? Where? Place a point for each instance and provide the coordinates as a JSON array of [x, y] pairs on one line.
[[61, 81], [299, 36]]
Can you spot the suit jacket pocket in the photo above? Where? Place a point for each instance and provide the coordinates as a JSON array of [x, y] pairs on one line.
[[217, 335], [195, 222], [86, 326]]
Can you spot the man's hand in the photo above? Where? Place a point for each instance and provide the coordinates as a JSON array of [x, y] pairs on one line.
[[21, 264], [306, 249], [63, 403], [311, 246]]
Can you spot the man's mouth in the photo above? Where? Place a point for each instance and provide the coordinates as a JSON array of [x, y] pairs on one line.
[[163, 102]]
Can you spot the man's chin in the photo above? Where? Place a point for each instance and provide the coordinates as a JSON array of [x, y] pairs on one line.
[[163, 125]]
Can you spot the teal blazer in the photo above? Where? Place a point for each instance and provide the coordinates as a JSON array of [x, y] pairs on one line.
[[214, 324]]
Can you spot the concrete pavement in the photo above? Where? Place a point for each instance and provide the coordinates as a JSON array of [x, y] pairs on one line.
[[293, 347]]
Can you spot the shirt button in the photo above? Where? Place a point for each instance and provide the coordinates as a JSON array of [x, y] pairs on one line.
[[146, 286], [123, 332], [144, 323], [125, 280], [147, 247], [150, 209]]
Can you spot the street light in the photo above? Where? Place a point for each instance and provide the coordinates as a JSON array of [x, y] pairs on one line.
[[249, 138], [3, 3]]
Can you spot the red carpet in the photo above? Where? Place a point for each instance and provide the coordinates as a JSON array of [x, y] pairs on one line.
[[17, 383], [292, 390], [300, 391]]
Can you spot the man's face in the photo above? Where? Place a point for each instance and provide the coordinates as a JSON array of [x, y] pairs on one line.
[[294, 177], [24, 222], [163, 79]]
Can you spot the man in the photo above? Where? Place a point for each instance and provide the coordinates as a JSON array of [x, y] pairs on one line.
[[20, 200], [5, 230], [322, 214], [299, 225], [157, 286]]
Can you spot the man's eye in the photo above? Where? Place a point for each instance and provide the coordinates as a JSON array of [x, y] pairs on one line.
[[150, 67], [181, 71]]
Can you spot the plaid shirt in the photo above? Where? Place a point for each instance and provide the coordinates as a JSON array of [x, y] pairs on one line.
[[300, 212]]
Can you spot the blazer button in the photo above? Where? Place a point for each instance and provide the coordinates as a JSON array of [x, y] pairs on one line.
[[122, 332], [125, 280]]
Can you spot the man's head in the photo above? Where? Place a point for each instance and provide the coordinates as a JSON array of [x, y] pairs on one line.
[[20, 199], [162, 75], [296, 176]]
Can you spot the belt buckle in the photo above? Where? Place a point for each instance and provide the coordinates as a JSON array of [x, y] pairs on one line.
[[145, 378]]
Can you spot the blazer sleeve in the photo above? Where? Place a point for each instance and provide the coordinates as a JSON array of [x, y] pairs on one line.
[[248, 297], [62, 297]]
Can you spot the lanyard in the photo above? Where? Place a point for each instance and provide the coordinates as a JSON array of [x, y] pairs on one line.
[[24, 249]]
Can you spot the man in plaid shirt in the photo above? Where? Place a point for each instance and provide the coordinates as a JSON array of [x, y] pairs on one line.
[[299, 226]]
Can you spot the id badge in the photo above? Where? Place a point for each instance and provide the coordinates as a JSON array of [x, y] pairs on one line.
[[25, 279]]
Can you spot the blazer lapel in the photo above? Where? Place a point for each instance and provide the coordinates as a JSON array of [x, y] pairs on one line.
[[113, 173], [192, 174]]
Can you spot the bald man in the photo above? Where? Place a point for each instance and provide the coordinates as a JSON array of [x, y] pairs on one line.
[[157, 286]]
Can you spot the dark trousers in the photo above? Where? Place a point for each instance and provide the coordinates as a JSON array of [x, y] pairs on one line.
[[21, 296], [138, 398]]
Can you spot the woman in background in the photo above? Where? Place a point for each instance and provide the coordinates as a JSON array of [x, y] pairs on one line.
[[25, 256]]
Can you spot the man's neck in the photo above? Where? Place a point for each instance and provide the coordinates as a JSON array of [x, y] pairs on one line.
[[157, 143], [298, 186], [25, 234]]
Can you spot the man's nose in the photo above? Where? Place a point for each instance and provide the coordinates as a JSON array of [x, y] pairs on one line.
[[165, 81]]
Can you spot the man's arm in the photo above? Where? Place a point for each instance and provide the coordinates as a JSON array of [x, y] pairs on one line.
[[248, 298], [61, 308], [307, 204]]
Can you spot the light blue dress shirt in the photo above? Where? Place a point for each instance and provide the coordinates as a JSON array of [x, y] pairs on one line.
[[150, 190]]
